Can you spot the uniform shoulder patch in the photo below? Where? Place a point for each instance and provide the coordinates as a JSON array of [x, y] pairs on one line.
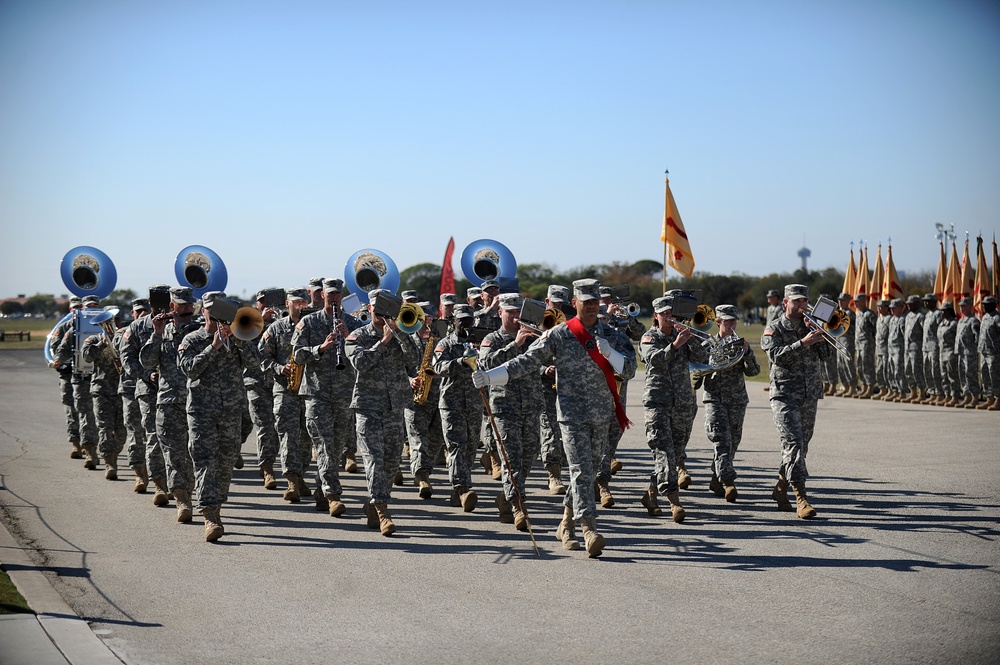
[[768, 332], [352, 337], [440, 347], [128, 333], [267, 334], [486, 343], [300, 325], [646, 339]]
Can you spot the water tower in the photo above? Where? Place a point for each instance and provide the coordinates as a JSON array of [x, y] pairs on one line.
[[804, 254]]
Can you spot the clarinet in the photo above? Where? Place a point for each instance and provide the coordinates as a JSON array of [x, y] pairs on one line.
[[336, 319]]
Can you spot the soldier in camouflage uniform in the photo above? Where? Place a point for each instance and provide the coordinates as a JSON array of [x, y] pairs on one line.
[[795, 351], [947, 328], [882, 324], [423, 421], [864, 325], [383, 358], [774, 309], [213, 361], [98, 349], [83, 403], [632, 329], [136, 436], [474, 298], [913, 331], [446, 310], [989, 347], [896, 369], [461, 408], [967, 350], [318, 343], [668, 402], [65, 371], [552, 447], [726, 400], [516, 408], [488, 316], [830, 370], [847, 370], [294, 445], [260, 402], [159, 355], [586, 401], [137, 334], [932, 352]]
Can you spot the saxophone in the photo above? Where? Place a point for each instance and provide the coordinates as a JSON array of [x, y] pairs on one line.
[[425, 375]]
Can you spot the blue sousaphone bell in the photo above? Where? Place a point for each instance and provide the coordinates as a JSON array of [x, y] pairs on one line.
[[87, 271], [488, 259], [370, 269], [201, 269]]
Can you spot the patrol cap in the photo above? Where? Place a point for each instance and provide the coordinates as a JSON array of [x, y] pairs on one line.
[[558, 293], [948, 305], [371, 294], [141, 304], [334, 284], [90, 300], [663, 304], [913, 300], [796, 291], [207, 299], [672, 292], [409, 294], [726, 313], [74, 301], [473, 292], [587, 289], [605, 291], [490, 284], [965, 301], [773, 293], [844, 295], [884, 303], [160, 287], [182, 295], [429, 309], [315, 283], [463, 312], [989, 300], [896, 302], [511, 301], [296, 293], [448, 299], [861, 296], [930, 297]]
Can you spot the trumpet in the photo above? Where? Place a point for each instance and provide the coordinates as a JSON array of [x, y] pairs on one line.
[[841, 321]]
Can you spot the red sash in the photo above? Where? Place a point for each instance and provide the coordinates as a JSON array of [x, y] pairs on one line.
[[587, 342]]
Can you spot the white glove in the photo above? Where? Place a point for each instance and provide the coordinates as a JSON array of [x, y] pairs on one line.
[[604, 346], [616, 359], [492, 377]]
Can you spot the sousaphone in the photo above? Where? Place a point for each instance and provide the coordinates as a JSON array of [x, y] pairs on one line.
[[488, 259], [201, 269], [370, 269]]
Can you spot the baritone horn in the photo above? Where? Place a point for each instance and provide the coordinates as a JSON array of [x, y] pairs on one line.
[[370, 269], [247, 324], [201, 269]]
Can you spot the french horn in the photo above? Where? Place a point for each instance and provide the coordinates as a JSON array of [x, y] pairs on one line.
[[487, 259], [87, 271], [370, 269], [201, 269]]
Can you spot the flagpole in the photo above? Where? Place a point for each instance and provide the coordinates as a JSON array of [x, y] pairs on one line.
[[666, 172]]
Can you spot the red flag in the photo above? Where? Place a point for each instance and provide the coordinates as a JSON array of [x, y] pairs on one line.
[[676, 246], [447, 271]]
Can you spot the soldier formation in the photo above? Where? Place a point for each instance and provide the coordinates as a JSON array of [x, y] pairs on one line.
[[180, 393]]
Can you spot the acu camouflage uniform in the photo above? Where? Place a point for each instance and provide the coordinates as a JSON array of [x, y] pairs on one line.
[[621, 343], [865, 324], [259, 385], [135, 440], [65, 371], [896, 370], [882, 375], [104, 394], [932, 352], [294, 445], [967, 350], [138, 333], [913, 331], [79, 383], [423, 421], [989, 347], [726, 402], [948, 361], [461, 408]]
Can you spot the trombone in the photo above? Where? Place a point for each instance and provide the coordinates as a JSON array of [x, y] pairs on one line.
[[695, 331], [839, 322]]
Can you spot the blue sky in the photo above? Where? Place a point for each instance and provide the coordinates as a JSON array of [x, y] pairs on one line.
[[286, 136]]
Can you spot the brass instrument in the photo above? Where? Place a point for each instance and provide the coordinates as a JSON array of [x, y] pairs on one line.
[[696, 332], [410, 318], [838, 324], [703, 318], [425, 374], [722, 354], [841, 323], [107, 322], [247, 324], [295, 377], [200, 268]]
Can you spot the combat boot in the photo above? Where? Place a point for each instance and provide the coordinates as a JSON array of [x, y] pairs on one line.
[[322, 505], [990, 401], [267, 473], [780, 495], [715, 486], [371, 514], [650, 502], [594, 541], [556, 486], [90, 450], [497, 468], [607, 499], [302, 486], [683, 479], [730, 492], [504, 508], [520, 516], [334, 505], [292, 493], [995, 406], [351, 463], [676, 510], [616, 466], [110, 468], [398, 479], [486, 462], [213, 525], [160, 497], [76, 451], [566, 532], [385, 525], [141, 480], [970, 402], [238, 462], [951, 401], [183, 499], [422, 479], [828, 389], [802, 507], [467, 498]]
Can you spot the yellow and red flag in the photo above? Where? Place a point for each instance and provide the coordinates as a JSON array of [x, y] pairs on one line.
[[676, 246], [890, 287], [953, 282], [984, 284], [861, 284], [878, 277], [850, 277], [967, 278], [941, 281]]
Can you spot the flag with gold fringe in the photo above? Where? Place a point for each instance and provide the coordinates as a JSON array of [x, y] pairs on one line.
[[875, 286], [890, 287], [850, 277], [983, 287], [861, 283], [967, 277], [676, 248], [953, 283], [940, 282]]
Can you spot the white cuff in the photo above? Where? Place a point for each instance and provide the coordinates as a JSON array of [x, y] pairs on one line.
[[617, 361]]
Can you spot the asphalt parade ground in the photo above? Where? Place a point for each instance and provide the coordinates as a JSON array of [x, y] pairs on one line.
[[901, 565]]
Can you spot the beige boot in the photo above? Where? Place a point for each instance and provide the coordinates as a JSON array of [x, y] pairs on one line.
[[780, 494], [160, 497], [467, 498], [76, 451], [990, 401], [683, 479], [566, 532], [676, 510], [730, 491], [322, 505], [616, 466], [486, 462], [141, 480], [303, 487], [497, 468], [423, 480], [607, 499], [373, 519], [866, 393], [520, 516], [995, 406], [335, 506], [213, 525], [385, 524], [594, 541], [183, 499], [802, 507], [292, 493], [650, 502], [90, 450], [715, 485], [110, 468], [556, 485], [267, 473], [351, 463], [970, 403], [505, 510]]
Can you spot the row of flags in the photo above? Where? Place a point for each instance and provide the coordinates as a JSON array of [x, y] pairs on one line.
[[954, 281]]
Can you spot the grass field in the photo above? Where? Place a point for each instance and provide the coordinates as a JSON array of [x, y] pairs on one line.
[[39, 329], [11, 601]]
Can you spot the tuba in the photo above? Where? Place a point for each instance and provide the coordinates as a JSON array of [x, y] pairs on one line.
[[107, 322], [86, 271], [487, 259], [201, 269], [370, 269]]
